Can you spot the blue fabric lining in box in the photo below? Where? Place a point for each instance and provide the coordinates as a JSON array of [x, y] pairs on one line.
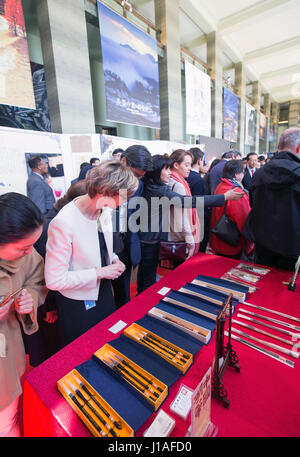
[[209, 293], [187, 315], [195, 304], [134, 409], [172, 334], [147, 359], [223, 283]]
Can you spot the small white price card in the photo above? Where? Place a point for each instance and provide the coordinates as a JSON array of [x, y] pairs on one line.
[[164, 291], [183, 402], [161, 427], [117, 327]]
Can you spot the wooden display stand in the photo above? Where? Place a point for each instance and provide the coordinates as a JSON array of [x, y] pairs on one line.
[[224, 356]]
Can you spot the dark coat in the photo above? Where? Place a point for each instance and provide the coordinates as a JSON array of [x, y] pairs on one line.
[[196, 183], [40, 192], [247, 179], [275, 202], [156, 218], [216, 175]]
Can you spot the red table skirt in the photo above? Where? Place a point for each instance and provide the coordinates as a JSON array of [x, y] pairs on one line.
[[264, 397]]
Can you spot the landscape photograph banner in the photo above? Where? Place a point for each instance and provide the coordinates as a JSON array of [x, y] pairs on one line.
[[231, 115], [16, 88], [250, 125], [198, 101], [130, 64]]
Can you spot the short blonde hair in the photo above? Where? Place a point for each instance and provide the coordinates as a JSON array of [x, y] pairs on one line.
[[109, 178]]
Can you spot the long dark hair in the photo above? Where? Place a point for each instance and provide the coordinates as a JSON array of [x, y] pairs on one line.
[[158, 162], [19, 217]]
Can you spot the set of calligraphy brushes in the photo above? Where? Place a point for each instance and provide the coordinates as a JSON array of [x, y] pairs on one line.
[[99, 417], [137, 377], [165, 349], [247, 275], [285, 328]]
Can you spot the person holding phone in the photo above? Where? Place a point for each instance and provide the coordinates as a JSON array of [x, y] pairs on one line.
[[22, 290]]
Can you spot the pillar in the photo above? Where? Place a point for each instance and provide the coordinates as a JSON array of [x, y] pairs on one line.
[[276, 118], [256, 94], [63, 33], [267, 108], [167, 21], [294, 113], [240, 87], [214, 62]]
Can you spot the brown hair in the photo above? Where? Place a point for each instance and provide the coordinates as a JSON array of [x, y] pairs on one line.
[[109, 178], [76, 190], [178, 156]]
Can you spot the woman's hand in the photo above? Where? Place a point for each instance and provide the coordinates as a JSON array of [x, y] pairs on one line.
[[5, 308], [190, 248], [112, 271], [24, 302]]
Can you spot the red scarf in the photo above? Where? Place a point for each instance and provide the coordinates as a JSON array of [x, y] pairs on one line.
[[194, 219]]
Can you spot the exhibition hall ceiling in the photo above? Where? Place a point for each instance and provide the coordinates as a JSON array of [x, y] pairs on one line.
[[264, 34]]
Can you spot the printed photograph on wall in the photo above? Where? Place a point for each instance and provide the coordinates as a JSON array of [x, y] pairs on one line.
[[130, 65], [231, 115], [16, 86], [250, 125], [262, 126], [198, 101], [55, 177], [25, 118]]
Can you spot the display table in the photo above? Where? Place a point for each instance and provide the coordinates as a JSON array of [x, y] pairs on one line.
[[264, 396]]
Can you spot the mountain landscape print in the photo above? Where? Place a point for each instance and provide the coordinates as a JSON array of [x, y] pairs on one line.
[[130, 65]]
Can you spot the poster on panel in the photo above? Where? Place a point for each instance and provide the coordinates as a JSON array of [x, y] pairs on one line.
[[198, 101], [32, 119], [231, 115], [250, 125], [16, 87], [262, 126], [130, 64]]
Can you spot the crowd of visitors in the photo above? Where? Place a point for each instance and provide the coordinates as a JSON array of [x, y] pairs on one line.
[[70, 262]]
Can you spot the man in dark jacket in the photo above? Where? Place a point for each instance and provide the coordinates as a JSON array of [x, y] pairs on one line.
[[275, 202], [126, 242], [217, 172], [37, 189]]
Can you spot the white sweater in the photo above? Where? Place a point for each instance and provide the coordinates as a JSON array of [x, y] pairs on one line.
[[73, 252]]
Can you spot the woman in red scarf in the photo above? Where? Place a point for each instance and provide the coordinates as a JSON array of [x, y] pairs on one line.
[[184, 223]]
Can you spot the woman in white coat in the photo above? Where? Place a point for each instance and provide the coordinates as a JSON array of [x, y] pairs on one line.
[[79, 255]]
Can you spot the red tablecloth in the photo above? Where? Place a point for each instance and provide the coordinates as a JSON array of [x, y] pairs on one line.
[[264, 396]]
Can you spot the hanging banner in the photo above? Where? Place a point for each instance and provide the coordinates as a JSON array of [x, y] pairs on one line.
[[262, 126], [250, 125], [16, 86], [198, 101], [24, 118], [231, 115], [130, 65]]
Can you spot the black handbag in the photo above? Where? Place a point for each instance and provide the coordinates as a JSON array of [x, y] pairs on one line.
[[227, 230]]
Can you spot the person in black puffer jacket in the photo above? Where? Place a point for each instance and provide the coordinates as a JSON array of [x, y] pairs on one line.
[[275, 202]]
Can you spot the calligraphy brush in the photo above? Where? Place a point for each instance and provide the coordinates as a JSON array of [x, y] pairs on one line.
[[87, 391], [79, 394], [155, 349], [124, 376], [258, 330], [271, 354], [81, 407], [264, 324], [136, 371], [120, 367], [285, 324], [154, 343], [266, 343], [163, 344], [272, 311], [180, 324]]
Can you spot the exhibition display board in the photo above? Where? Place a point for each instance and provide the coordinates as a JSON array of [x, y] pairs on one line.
[[264, 396]]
